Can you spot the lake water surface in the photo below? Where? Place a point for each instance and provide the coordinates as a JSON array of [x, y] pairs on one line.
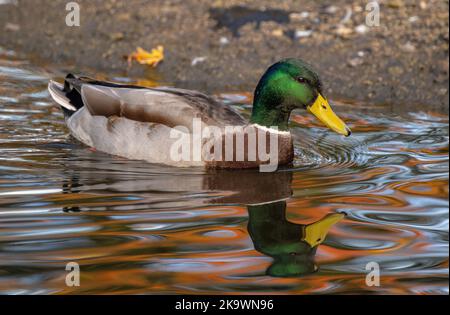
[[134, 227]]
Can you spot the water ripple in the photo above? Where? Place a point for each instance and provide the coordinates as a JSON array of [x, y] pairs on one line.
[[138, 228]]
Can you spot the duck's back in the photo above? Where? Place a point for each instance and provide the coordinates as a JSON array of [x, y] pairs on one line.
[[169, 106]]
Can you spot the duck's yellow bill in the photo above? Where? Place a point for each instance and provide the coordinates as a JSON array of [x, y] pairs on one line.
[[315, 233], [322, 110]]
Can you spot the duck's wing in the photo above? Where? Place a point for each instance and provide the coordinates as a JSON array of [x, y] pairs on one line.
[[168, 106]]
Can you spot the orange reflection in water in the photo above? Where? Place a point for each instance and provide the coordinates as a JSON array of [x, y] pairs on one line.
[[138, 228]]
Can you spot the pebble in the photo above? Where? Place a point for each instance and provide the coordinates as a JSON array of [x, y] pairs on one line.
[[354, 62], [331, 9], [12, 27], [298, 16], [278, 32], [408, 47], [344, 31], [198, 60], [224, 41], [361, 29], [117, 36], [13, 2], [123, 17], [303, 33], [395, 71], [395, 4], [357, 8]]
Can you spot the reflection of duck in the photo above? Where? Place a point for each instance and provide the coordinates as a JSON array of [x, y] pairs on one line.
[[137, 122], [292, 246], [211, 187]]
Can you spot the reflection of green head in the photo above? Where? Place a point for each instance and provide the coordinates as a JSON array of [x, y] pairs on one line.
[[290, 265], [293, 246]]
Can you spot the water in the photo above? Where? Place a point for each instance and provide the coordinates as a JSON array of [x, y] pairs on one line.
[[134, 227]]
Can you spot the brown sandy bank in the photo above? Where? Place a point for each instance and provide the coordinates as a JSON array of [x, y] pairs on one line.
[[226, 45]]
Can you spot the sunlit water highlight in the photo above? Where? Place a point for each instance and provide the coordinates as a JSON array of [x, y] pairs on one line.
[[135, 227]]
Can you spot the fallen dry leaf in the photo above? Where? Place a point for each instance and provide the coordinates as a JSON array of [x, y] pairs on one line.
[[144, 57]]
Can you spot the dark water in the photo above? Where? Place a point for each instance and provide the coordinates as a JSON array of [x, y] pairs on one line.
[[134, 227]]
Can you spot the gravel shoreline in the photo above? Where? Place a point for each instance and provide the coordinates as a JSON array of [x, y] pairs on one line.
[[226, 45]]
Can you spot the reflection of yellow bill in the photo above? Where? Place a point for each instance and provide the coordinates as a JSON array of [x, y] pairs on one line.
[[322, 110], [315, 233]]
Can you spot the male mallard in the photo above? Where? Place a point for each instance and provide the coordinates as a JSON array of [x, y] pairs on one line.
[[140, 123]]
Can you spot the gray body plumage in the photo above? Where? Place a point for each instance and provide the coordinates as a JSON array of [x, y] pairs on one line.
[[136, 122]]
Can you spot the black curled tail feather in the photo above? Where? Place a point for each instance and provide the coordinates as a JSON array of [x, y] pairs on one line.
[[68, 96], [72, 90]]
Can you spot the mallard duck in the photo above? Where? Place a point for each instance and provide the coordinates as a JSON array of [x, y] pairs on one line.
[[148, 123]]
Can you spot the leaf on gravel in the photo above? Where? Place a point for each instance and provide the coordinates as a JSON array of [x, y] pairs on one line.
[[144, 57]]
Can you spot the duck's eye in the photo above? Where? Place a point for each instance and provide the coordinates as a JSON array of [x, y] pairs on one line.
[[301, 80]]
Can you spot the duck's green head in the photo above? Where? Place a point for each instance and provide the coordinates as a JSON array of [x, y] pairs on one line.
[[292, 84]]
